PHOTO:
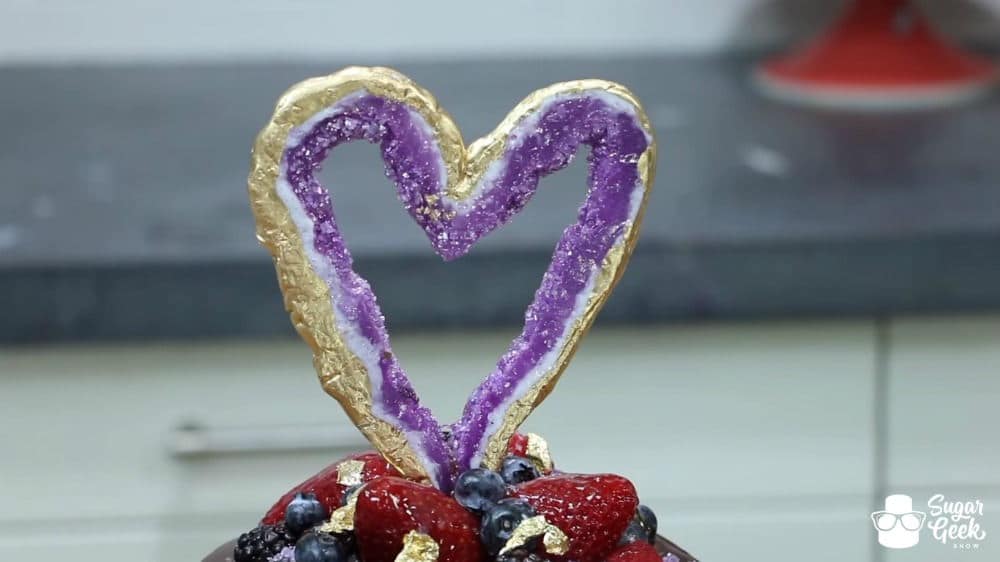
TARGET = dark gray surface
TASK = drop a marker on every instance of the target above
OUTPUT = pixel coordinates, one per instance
(124, 210)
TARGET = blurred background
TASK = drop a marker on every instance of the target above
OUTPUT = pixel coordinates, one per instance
(810, 321)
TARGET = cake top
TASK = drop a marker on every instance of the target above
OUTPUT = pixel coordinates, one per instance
(457, 194)
(361, 509)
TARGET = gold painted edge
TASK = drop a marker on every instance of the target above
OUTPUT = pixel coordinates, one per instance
(538, 451)
(342, 374)
(307, 297)
(612, 269)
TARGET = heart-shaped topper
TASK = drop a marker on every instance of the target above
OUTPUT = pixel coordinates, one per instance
(457, 195)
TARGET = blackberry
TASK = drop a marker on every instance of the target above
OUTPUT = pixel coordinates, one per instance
(262, 542)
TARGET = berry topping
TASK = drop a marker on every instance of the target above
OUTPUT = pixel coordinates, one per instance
(304, 512)
(388, 508)
(479, 489)
(499, 523)
(327, 486)
(320, 547)
(261, 543)
(641, 528)
(633, 533)
(592, 510)
(647, 520)
(516, 470)
(635, 552)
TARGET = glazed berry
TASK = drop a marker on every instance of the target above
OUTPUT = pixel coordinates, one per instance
(326, 485)
(633, 533)
(319, 547)
(516, 470)
(389, 508)
(262, 542)
(642, 527)
(303, 512)
(647, 520)
(479, 489)
(500, 522)
(348, 543)
(593, 510)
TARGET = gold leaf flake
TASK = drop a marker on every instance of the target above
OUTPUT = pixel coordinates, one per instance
(418, 547)
(538, 451)
(349, 472)
(555, 541)
(342, 518)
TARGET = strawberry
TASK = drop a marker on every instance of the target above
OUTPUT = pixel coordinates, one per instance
(592, 509)
(326, 487)
(517, 445)
(639, 551)
(388, 508)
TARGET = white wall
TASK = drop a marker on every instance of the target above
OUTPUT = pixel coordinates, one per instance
(155, 30)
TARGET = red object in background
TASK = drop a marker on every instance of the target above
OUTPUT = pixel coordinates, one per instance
(881, 54)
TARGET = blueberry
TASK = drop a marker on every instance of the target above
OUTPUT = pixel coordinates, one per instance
(641, 528)
(319, 547)
(633, 533)
(348, 542)
(499, 522)
(479, 489)
(518, 469)
(303, 512)
(647, 519)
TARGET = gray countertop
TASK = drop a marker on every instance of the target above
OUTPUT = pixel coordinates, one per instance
(124, 210)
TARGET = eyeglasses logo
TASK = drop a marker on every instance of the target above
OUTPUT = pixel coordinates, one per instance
(898, 524)
(953, 523)
(885, 521)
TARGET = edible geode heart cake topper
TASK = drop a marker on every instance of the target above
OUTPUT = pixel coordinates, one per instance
(457, 195)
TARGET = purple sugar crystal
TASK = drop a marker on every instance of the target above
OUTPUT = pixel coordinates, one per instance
(543, 143)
